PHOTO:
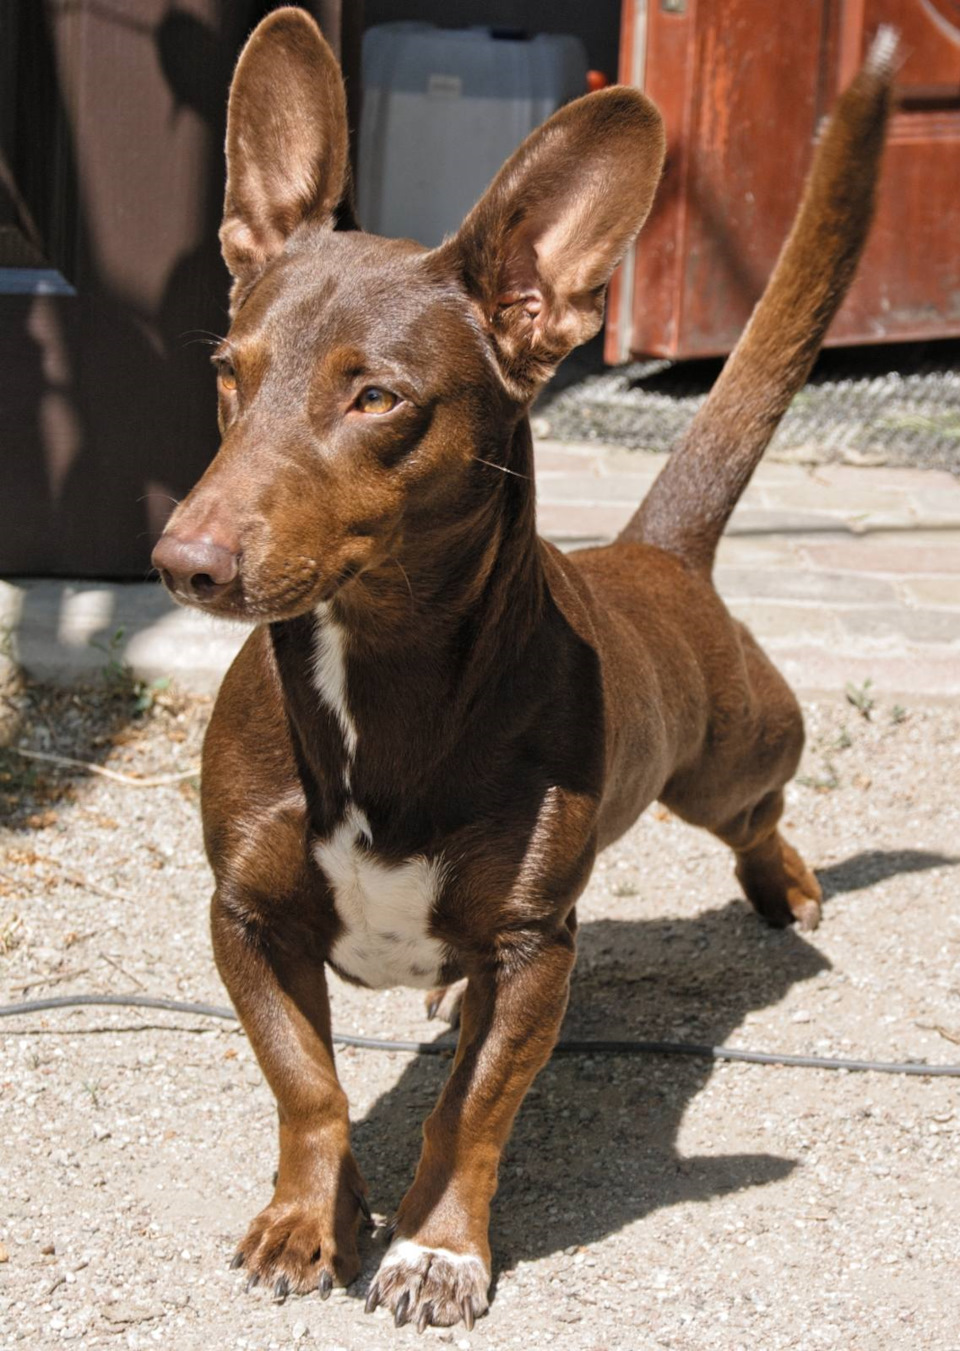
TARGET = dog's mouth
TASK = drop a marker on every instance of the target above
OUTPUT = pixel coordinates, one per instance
(249, 599)
(260, 577)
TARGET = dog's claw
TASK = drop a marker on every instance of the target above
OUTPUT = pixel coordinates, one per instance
(365, 1211)
(400, 1313)
(252, 1281)
(236, 1261)
(433, 1008)
(325, 1284)
(373, 1298)
(466, 1309)
(426, 1314)
(281, 1287)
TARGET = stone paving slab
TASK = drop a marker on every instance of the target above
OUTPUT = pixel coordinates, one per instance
(71, 630)
(843, 573)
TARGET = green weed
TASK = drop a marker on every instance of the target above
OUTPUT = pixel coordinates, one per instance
(861, 698)
(122, 682)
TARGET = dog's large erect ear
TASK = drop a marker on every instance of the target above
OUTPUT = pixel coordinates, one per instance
(287, 143)
(538, 249)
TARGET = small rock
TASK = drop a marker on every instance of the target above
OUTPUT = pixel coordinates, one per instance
(299, 1331)
(123, 1313)
(48, 1249)
(4, 1255)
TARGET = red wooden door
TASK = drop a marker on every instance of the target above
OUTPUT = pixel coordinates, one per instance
(743, 86)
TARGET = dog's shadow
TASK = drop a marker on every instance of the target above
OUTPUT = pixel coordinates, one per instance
(595, 1143)
(876, 865)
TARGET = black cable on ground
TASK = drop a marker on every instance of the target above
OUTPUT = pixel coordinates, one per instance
(564, 1046)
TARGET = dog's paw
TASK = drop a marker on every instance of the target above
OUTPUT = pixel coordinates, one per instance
(292, 1248)
(779, 885)
(445, 1001)
(804, 896)
(430, 1286)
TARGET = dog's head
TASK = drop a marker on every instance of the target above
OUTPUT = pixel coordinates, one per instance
(370, 389)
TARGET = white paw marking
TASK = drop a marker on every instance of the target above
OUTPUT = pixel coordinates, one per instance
(439, 1281)
(385, 910)
(403, 1251)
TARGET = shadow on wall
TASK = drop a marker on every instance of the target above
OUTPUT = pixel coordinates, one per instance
(108, 410)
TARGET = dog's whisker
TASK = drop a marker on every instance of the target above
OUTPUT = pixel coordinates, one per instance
(201, 334)
(403, 572)
(502, 467)
(149, 497)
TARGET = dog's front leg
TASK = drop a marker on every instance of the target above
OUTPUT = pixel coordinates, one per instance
(437, 1269)
(306, 1237)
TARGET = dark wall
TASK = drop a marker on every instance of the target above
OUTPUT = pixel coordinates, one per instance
(112, 121)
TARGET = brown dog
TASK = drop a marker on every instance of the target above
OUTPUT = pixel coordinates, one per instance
(439, 719)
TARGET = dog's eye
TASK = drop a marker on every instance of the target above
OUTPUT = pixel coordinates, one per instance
(375, 400)
(227, 376)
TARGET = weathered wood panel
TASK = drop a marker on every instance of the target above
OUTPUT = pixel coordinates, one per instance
(743, 85)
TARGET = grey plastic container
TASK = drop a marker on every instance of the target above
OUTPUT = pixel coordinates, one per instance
(442, 110)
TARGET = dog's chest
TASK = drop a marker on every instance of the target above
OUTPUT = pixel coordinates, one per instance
(384, 909)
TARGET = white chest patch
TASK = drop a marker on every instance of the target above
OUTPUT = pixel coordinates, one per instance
(385, 911)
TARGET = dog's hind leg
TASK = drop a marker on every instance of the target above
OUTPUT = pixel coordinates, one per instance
(775, 879)
(735, 789)
(444, 1002)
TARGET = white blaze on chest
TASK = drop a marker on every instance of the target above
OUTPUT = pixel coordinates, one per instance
(384, 909)
(330, 678)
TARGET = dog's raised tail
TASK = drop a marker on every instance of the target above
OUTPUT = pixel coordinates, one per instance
(692, 499)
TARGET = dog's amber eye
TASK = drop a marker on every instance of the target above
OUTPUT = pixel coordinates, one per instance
(227, 376)
(375, 400)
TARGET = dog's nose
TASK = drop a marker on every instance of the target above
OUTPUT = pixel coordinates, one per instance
(196, 568)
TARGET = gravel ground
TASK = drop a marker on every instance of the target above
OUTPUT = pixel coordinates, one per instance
(885, 405)
(644, 1203)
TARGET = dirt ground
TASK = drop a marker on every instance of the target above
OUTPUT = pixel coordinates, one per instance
(644, 1202)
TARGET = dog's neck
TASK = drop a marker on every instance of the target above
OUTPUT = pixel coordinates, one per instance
(404, 658)
(476, 565)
